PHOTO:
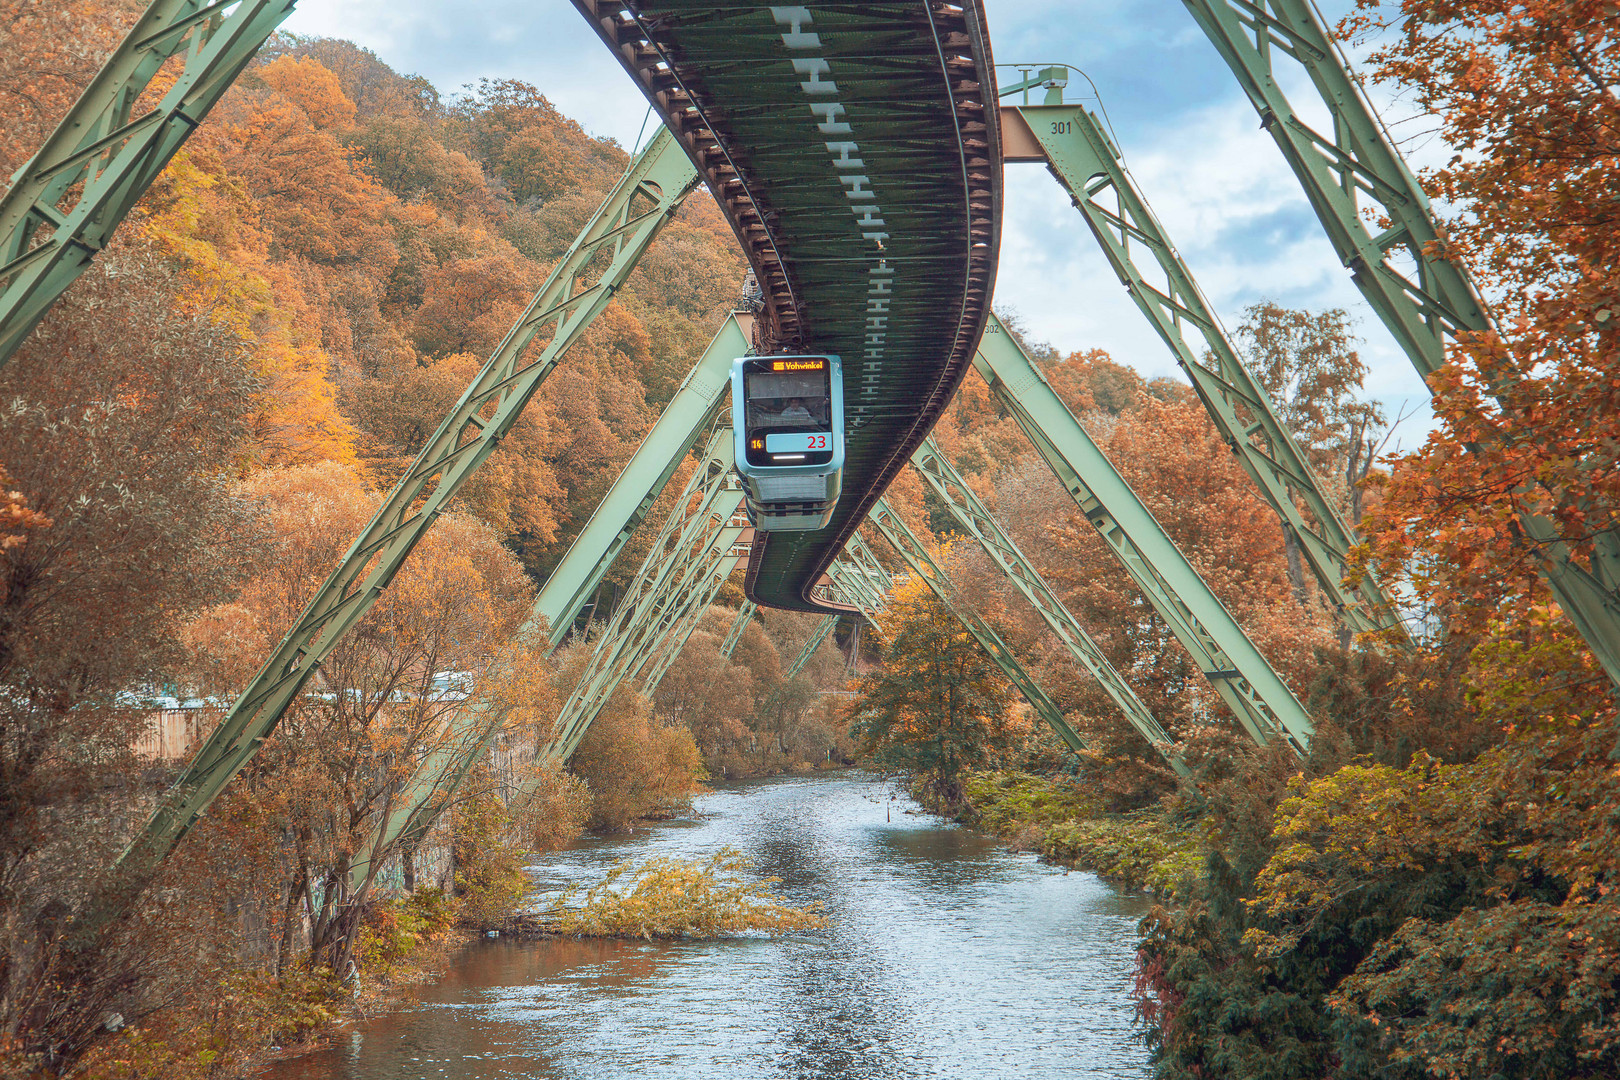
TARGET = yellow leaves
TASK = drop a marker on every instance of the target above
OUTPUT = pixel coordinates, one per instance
(635, 765)
(295, 418)
(664, 898)
(1362, 824)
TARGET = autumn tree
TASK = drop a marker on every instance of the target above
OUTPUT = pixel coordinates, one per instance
(1447, 909)
(1525, 95)
(1308, 364)
(122, 415)
(938, 706)
(440, 641)
(707, 693)
(633, 763)
(538, 152)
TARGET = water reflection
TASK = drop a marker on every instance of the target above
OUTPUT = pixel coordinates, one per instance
(946, 956)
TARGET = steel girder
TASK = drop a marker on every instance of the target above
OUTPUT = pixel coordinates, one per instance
(644, 199)
(684, 420)
(916, 557)
(669, 649)
(1086, 162)
(863, 566)
(689, 413)
(745, 615)
(680, 426)
(1358, 168)
(976, 521)
(848, 583)
(100, 159)
(853, 148)
(1248, 685)
(1356, 162)
(818, 634)
(856, 579)
(694, 539)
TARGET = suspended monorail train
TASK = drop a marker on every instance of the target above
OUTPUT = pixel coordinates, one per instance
(788, 417)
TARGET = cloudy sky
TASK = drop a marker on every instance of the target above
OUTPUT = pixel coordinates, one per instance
(1193, 143)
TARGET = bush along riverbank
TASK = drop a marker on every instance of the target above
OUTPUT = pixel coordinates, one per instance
(1156, 849)
(672, 898)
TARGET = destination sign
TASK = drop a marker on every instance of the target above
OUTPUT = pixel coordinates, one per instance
(799, 365)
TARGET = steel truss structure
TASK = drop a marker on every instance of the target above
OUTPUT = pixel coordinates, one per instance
(977, 522)
(637, 208)
(66, 202)
(102, 157)
(1076, 150)
(690, 413)
(1355, 169)
(1248, 685)
(745, 615)
(915, 555)
(689, 551)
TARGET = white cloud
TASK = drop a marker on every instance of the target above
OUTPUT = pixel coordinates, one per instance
(546, 43)
(1216, 181)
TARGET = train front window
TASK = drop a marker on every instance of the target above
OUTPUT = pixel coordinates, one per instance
(789, 400)
(789, 410)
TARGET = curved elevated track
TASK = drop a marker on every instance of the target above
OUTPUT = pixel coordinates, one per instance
(855, 150)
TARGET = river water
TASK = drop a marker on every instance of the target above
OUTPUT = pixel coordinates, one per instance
(946, 955)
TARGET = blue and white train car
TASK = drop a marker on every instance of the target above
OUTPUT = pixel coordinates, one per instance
(788, 416)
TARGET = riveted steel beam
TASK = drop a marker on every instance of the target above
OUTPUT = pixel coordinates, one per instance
(644, 199)
(1354, 175)
(745, 615)
(1087, 164)
(916, 556)
(66, 201)
(1355, 166)
(976, 521)
(696, 537)
(1248, 685)
(701, 595)
(689, 414)
(680, 426)
(818, 634)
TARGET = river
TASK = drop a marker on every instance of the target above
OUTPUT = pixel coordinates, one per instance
(947, 955)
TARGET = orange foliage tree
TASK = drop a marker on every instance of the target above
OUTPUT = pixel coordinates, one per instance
(1525, 94)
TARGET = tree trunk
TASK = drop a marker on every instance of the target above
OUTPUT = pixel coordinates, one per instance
(289, 914)
(1296, 566)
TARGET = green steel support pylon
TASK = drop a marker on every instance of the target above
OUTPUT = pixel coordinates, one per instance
(864, 562)
(644, 199)
(915, 556)
(745, 615)
(680, 427)
(697, 535)
(683, 422)
(855, 579)
(976, 521)
(1357, 170)
(1254, 692)
(669, 649)
(1085, 161)
(850, 584)
(1343, 172)
(101, 159)
(818, 634)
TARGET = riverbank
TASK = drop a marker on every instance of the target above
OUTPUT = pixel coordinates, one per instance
(927, 921)
(1147, 849)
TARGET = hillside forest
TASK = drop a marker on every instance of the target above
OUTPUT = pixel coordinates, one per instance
(204, 421)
